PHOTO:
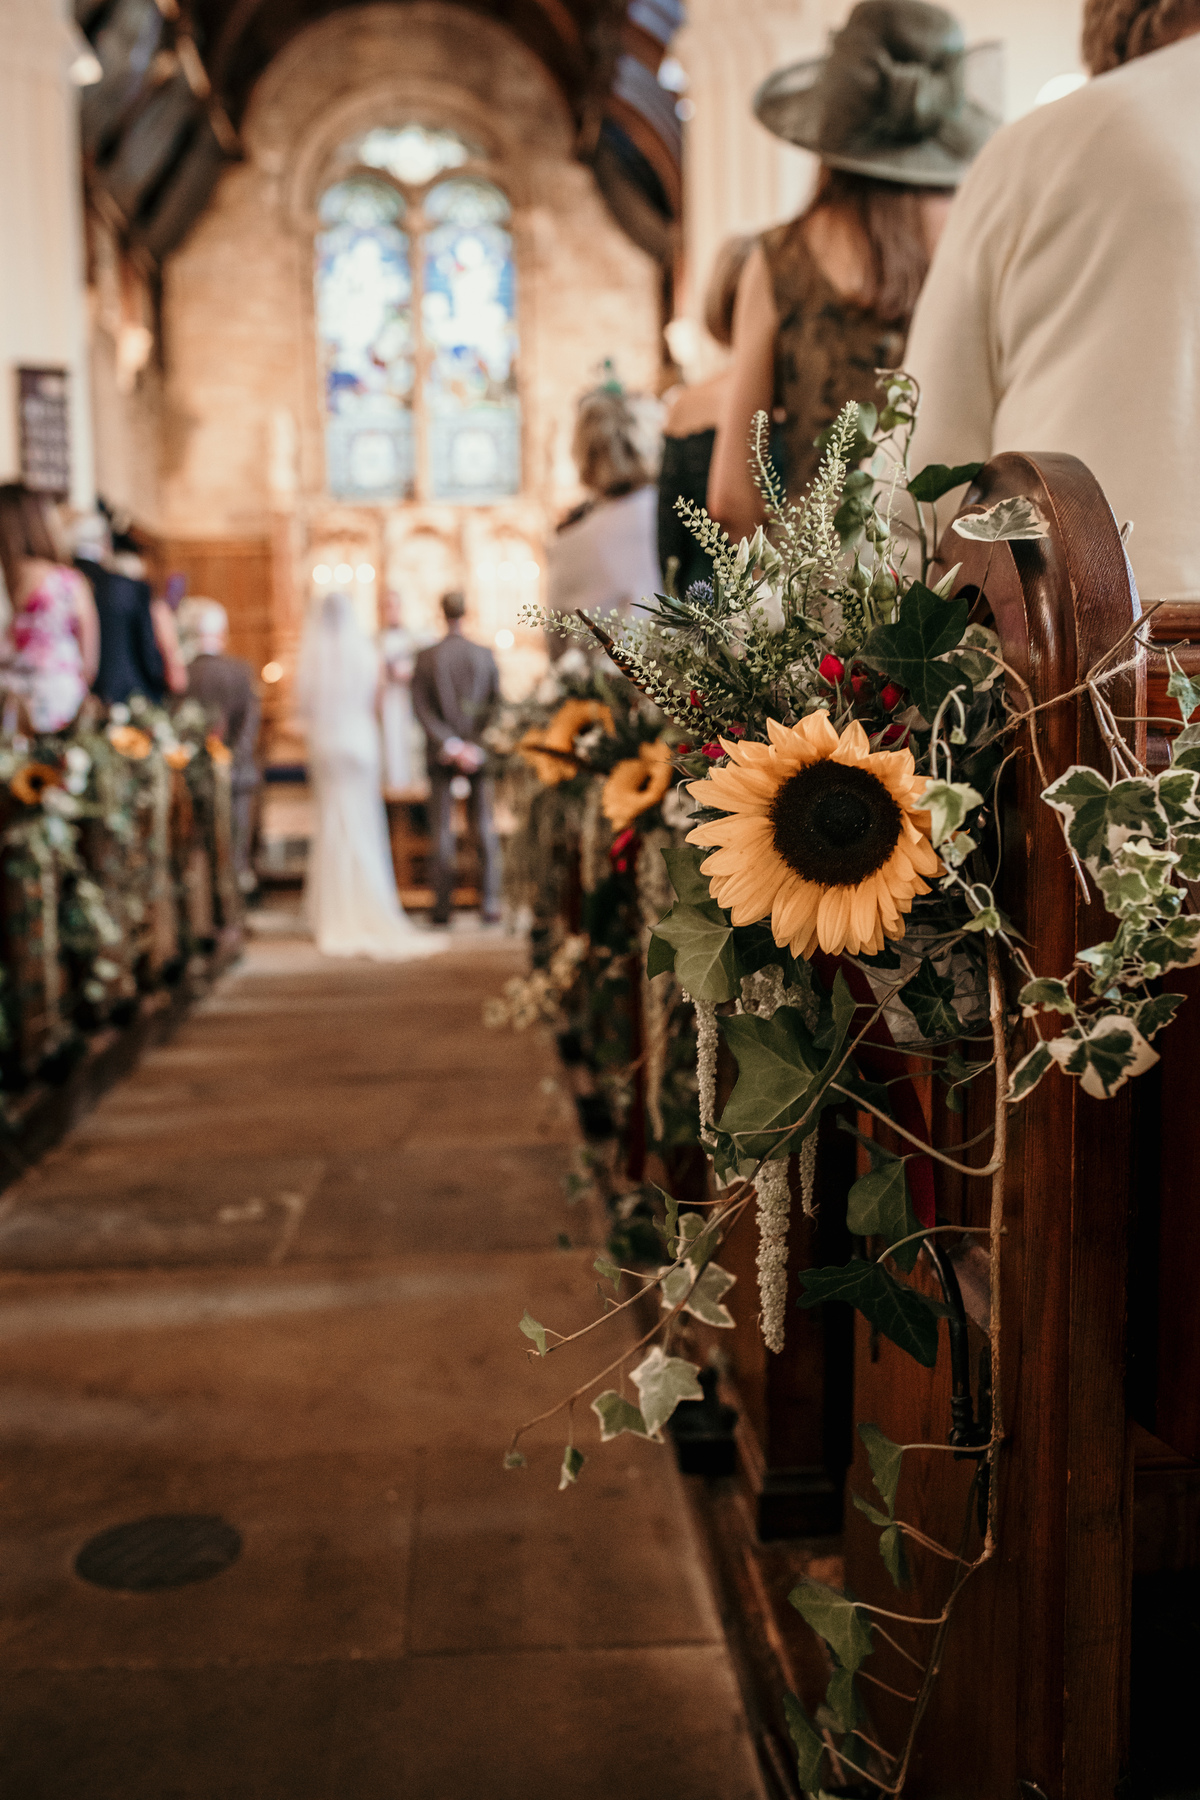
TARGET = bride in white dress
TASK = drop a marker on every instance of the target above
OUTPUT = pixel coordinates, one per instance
(350, 898)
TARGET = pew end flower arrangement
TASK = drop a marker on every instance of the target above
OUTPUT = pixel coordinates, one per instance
(847, 719)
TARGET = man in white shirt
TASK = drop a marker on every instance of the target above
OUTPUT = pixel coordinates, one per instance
(1062, 309)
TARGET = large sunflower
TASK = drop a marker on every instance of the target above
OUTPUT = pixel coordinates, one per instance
(822, 834)
(131, 741)
(31, 781)
(636, 785)
(572, 717)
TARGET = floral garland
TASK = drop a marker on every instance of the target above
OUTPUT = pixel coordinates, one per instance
(851, 725)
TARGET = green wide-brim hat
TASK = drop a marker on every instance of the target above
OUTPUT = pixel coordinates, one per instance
(889, 99)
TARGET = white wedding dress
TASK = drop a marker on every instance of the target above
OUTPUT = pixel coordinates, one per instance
(350, 898)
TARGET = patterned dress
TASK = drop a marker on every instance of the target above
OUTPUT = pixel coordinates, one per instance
(46, 666)
(827, 350)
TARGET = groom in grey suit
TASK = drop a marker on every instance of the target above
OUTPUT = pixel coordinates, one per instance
(455, 691)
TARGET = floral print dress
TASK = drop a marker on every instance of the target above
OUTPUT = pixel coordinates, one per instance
(46, 665)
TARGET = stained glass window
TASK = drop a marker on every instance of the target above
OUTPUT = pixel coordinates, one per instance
(421, 351)
(364, 328)
(468, 316)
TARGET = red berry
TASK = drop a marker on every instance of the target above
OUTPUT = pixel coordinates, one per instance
(832, 668)
(735, 731)
(858, 683)
(695, 698)
(890, 696)
(713, 752)
(894, 733)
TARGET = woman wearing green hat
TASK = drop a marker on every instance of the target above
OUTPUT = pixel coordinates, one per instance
(825, 300)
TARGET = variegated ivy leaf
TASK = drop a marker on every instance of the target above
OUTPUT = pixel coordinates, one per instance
(1151, 1015)
(1175, 945)
(1178, 796)
(616, 1414)
(1099, 818)
(987, 919)
(1180, 688)
(704, 1300)
(1028, 1072)
(1106, 1055)
(948, 803)
(1137, 880)
(1187, 845)
(1007, 522)
(1054, 995)
(662, 1381)
(977, 654)
(572, 1462)
(955, 851)
(529, 1325)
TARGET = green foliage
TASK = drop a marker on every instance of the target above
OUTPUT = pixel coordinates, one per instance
(948, 803)
(808, 1742)
(704, 1299)
(662, 1381)
(878, 1205)
(529, 1325)
(929, 997)
(609, 1271)
(572, 1462)
(1007, 522)
(936, 479)
(837, 1618)
(926, 629)
(902, 1314)
(886, 1460)
(783, 1077)
(616, 1414)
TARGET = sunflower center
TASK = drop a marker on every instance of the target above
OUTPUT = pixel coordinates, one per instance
(835, 823)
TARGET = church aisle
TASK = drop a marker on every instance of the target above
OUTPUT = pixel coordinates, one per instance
(275, 1277)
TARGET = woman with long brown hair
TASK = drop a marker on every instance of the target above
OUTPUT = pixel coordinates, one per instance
(825, 300)
(54, 634)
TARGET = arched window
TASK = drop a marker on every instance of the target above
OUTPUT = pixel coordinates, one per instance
(416, 321)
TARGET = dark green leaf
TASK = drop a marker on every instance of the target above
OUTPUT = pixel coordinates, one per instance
(572, 1462)
(841, 1697)
(1186, 692)
(929, 997)
(878, 1206)
(1048, 993)
(926, 629)
(660, 956)
(705, 963)
(871, 1512)
(672, 1225)
(810, 1746)
(782, 1075)
(683, 866)
(891, 1548)
(936, 479)
(1153, 1014)
(899, 1312)
(886, 1460)
(616, 1414)
(836, 1618)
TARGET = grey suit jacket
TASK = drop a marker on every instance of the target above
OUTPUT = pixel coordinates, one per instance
(455, 690)
(225, 685)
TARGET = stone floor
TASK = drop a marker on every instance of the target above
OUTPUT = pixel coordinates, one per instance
(276, 1276)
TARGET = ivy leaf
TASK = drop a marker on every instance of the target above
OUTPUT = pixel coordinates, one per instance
(886, 1460)
(609, 1271)
(1187, 848)
(1177, 794)
(836, 1618)
(616, 1414)
(1044, 992)
(948, 803)
(1176, 945)
(1153, 1014)
(705, 962)
(662, 1381)
(987, 919)
(697, 1240)
(704, 1301)
(936, 479)
(878, 1206)
(1007, 522)
(572, 1462)
(871, 1512)
(841, 1697)
(1099, 818)
(532, 1329)
(781, 1075)
(810, 1746)
(891, 1548)
(929, 997)
(514, 1460)
(905, 1316)
(1112, 1050)
(926, 629)
(660, 956)
(1186, 692)
(1028, 1072)
(683, 866)
(672, 1225)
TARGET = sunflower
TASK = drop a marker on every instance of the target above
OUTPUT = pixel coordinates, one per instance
(572, 717)
(31, 782)
(131, 741)
(219, 752)
(636, 785)
(822, 834)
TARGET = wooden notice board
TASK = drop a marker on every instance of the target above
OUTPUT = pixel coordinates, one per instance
(43, 430)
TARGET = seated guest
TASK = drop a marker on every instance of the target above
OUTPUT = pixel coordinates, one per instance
(1062, 311)
(691, 428)
(603, 557)
(225, 686)
(130, 661)
(53, 633)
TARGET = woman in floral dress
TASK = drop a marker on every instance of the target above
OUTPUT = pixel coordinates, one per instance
(53, 647)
